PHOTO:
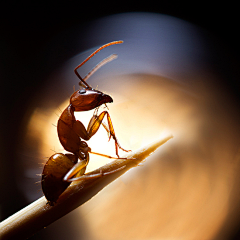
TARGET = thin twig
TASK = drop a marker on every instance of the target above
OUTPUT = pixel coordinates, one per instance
(38, 214)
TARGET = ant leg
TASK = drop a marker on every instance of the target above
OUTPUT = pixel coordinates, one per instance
(79, 168)
(93, 127)
(107, 130)
(97, 175)
(95, 123)
(104, 155)
(94, 118)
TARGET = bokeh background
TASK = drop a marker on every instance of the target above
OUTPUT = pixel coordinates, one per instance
(176, 73)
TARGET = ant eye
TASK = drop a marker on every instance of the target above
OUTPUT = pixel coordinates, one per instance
(82, 91)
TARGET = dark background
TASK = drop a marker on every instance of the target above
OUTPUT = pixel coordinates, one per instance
(27, 55)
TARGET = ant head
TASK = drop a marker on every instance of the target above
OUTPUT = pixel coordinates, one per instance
(87, 99)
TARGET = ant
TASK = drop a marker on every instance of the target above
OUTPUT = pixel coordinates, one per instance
(61, 169)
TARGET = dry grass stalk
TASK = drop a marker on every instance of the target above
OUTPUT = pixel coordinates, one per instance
(38, 214)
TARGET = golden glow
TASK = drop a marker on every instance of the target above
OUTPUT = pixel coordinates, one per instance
(183, 192)
(189, 189)
(126, 127)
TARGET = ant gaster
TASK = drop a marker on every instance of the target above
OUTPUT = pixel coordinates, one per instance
(61, 169)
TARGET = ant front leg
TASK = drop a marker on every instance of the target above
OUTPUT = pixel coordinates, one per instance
(93, 127)
(95, 123)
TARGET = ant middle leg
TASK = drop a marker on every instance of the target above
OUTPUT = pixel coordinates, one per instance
(104, 155)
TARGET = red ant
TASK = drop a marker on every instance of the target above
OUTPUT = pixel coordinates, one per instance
(61, 169)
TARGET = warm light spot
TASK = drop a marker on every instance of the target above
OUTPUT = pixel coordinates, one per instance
(126, 126)
(188, 182)
(165, 81)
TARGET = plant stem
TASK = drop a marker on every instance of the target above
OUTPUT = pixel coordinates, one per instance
(38, 214)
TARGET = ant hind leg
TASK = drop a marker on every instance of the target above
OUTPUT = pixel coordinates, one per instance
(97, 175)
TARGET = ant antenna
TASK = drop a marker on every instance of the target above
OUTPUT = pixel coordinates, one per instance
(100, 64)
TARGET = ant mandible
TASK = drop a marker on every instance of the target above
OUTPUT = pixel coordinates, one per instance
(61, 169)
